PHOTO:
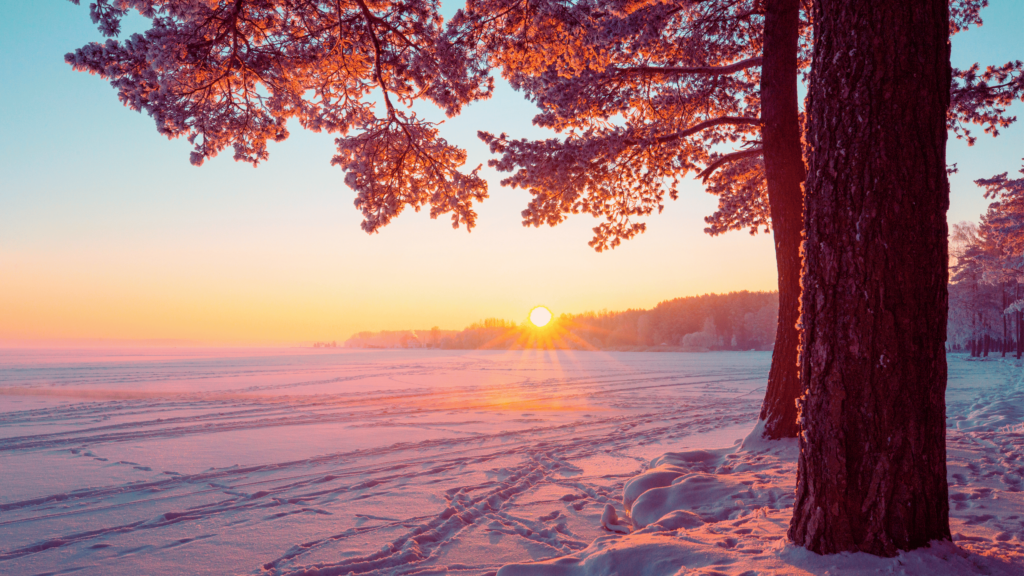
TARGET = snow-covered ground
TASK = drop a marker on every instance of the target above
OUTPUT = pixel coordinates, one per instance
(331, 461)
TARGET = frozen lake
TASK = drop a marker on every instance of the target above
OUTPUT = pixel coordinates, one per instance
(236, 461)
(326, 461)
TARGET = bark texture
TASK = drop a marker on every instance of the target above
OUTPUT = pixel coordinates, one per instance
(1020, 334)
(1002, 345)
(872, 469)
(1020, 324)
(784, 172)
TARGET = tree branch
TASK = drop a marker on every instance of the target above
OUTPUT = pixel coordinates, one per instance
(695, 70)
(704, 126)
(376, 53)
(728, 158)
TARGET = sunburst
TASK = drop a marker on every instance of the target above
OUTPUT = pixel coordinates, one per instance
(540, 316)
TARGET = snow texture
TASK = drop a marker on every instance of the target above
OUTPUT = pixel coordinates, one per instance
(335, 461)
(726, 511)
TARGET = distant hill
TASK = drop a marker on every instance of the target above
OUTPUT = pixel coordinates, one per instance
(734, 321)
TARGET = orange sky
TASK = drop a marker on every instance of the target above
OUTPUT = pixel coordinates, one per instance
(301, 277)
(107, 232)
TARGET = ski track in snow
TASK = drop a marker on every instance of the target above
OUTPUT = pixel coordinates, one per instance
(418, 462)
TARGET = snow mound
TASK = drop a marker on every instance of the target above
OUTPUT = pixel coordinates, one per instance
(638, 555)
(711, 485)
(707, 496)
(763, 551)
(667, 469)
(675, 520)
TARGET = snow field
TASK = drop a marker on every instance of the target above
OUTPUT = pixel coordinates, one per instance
(429, 462)
(331, 462)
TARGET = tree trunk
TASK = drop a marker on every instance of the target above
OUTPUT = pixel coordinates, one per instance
(1002, 345)
(1020, 331)
(784, 172)
(1020, 323)
(872, 468)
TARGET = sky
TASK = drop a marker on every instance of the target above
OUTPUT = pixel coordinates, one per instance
(108, 234)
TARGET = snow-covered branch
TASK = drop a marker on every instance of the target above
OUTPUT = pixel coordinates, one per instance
(696, 70)
(732, 157)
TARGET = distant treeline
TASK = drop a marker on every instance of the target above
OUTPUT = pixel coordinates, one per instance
(734, 321)
(986, 289)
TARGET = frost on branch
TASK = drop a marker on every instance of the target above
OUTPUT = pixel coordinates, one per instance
(645, 92)
(658, 67)
(232, 74)
(982, 98)
(965, 13)
(401, 161)
(1001, 187)
(742, 197)
(1002, 225)
(678, 79)
(613, 174)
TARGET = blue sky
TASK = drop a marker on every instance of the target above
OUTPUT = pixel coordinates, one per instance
(106, 231)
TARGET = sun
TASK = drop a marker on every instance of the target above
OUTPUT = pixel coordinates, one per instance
(540, 316)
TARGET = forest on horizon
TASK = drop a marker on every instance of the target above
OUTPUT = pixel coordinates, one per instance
(734, 321)
(982, 294)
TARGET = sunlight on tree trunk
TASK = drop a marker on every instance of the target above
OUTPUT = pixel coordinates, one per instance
(784, 172)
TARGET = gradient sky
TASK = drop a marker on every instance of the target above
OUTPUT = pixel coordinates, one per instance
(108, 233)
